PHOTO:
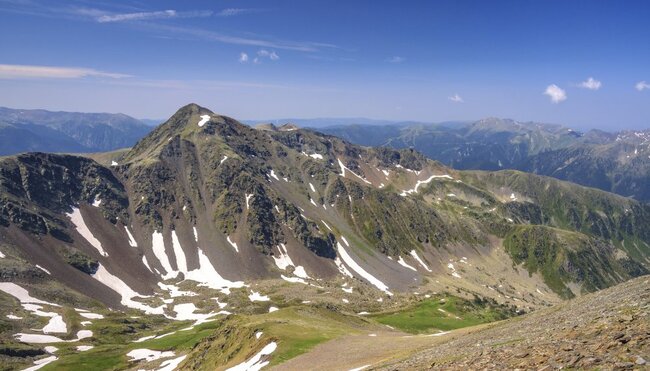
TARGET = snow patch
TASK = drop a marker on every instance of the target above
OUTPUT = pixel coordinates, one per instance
(273, 309)
(344, 168)
(358, 269)
(158, 247)
(420, 182)
(233, 244)
(256, 296)
(204, 119)
(248, 197)
(293, 279)
(185, 312)
(104, 276)
(312, 187)
(78, 221)
(272, 174)
(415, 256)
(181, 261)
(23, 295)
(132, 241)
(171, 364)
(148, 354)
(405, 264)
(83, 348)
(43, 269)
(40, 363)
(146, 263)
(223, 159)
(56, 325)
(256, 363)
(208, 276)
(342, 268)
(453, 271)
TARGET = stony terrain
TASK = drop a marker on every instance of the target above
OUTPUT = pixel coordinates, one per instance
(607, 330)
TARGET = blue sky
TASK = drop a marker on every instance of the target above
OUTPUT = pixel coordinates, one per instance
(417, 60)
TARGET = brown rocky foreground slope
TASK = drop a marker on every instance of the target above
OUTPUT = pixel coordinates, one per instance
(606, 330)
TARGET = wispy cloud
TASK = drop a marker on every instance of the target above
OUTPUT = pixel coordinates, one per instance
(13, 71)
(302, 46)
(456, 99)
(144, 16)
(556, 93)
(243, 57)
(395, 59)
(229, 12)
(147, 20)
(642, 85)
(590, 84)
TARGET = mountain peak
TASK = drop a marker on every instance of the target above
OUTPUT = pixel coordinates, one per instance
(192, 108)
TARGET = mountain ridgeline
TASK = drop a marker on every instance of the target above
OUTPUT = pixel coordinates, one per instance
(204, 189)
(46, 131)
(618, 163)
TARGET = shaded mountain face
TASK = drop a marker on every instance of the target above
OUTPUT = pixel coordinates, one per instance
(206, 199)
(40, 130)
(618, 163)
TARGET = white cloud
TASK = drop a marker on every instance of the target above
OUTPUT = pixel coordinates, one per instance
(456, 99)
(395, 59)
(243, 57)
(556, 93)
(229, 12)
(272, 55)
(591, 84)
(13, 71)
(137, 16)
(642, 85)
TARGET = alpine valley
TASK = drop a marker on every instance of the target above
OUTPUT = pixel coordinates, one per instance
(211, 244)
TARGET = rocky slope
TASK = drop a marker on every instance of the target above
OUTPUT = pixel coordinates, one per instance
(607, 330)
(207, 211)
(45, 131)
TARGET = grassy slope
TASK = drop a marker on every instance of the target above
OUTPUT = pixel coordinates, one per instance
(443, 313)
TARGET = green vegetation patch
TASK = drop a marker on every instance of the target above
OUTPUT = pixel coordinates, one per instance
(444, 313)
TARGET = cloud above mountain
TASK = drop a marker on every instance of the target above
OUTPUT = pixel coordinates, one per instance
(556, 93)
(591, 84)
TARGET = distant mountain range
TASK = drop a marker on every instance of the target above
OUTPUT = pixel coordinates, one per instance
(615, 162)
(46, 131)
(295, 232)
